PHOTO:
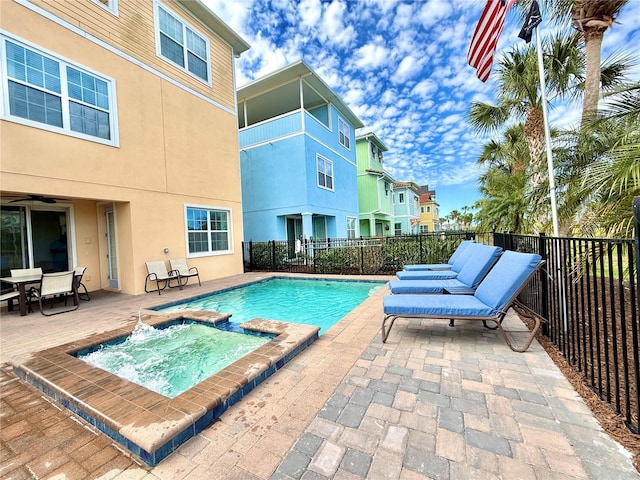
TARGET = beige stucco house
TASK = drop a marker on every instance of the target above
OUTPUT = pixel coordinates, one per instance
(119, 138)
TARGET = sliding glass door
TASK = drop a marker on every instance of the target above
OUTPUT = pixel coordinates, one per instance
(33, 237)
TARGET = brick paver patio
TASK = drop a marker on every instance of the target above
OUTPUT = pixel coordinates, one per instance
(433, 402)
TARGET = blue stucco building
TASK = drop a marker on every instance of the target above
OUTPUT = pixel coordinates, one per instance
(297, 158)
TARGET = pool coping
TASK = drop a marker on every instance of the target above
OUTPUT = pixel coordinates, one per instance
(150, 425)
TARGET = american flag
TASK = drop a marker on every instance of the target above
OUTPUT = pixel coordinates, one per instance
(485, 38)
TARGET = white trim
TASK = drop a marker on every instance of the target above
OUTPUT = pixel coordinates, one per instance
(230, 231)
(157, 5)
(112, 6)
(344, 122)
(121, 54)
(333, 180)
(64, 95)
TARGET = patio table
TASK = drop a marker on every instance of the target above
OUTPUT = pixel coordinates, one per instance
(22, 282)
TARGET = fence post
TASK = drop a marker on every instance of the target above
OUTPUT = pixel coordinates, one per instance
(273, 254)
(507, 241)
(636, 214)
(542, 249)
(420, 238)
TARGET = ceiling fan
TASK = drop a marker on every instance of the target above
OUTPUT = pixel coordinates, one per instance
(36, 198)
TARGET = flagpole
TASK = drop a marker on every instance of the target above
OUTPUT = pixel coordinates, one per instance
(552, 183)
(547, 135)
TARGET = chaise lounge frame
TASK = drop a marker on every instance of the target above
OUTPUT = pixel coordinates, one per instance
(497, 318)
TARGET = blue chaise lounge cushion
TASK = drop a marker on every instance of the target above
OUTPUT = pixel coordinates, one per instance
(506, 277)
(440, 306)
(442, 266)
(472, 269)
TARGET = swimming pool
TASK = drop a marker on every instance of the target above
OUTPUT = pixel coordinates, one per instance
(307, 301)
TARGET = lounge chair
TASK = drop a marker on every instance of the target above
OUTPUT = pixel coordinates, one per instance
(184, 270)
(58, 284)
(467, 279)
(442, 266)
(157, 272)
(475, 251)
(490, 302)
(83, 294)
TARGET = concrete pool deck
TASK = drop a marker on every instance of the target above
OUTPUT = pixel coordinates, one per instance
(432, 402)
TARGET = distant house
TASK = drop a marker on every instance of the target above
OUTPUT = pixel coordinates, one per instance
(375, 187)
(297, 158)
(429, 214)
(406, 208)
(119, 139)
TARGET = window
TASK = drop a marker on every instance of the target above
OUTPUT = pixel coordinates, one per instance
(325, 173)
(344, 133)
(207, 231)
(421, 209)
(387, 187)
(397, 227)
(110, 5)
(400, 197)
(52, 94)
(424, 228)
(428, 209)
(351, 227)
(181, 45)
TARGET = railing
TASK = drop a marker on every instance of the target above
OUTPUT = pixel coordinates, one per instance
(589, 298)
(588, 294)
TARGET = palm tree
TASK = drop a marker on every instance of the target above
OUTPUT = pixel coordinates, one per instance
(611, 179)
(504, 205)
(518, 96)
(591, 18)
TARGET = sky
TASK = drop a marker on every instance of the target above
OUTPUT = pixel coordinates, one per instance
(401, 66)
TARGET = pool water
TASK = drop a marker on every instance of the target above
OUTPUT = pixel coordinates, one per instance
(311, 302)
(171, 360)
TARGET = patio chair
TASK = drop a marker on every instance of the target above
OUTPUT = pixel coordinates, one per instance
(466, 281)
(473, 251)
(26, 272)
(157, 272)
(184, 270)
(83, 294)
(490, 302)
(53, 285)
(9, 296)
(442, 266)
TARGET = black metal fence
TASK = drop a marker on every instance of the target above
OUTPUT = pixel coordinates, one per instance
(588, 293)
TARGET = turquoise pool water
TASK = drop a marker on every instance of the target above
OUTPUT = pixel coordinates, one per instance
(312, 302)
(171, 360)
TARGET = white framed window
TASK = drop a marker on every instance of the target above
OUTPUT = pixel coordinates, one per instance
(344, 134)
(180, 44)
(325, 172)
(109, 5)
(400, 197)
(424, 228)
(208, 230)
(351, 227)
(397, 228)
(44, 91)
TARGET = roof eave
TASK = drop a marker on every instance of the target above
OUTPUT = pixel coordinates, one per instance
(212, 21)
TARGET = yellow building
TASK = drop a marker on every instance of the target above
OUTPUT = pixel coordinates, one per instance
(429, 215)
(119, 139)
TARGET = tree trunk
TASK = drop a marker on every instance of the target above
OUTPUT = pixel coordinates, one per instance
(593, 45)
(534, 134)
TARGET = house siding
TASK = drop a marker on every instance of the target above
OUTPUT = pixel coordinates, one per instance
(177, 143)
(132, 31)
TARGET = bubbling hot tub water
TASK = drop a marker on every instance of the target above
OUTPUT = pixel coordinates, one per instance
(173, 359)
